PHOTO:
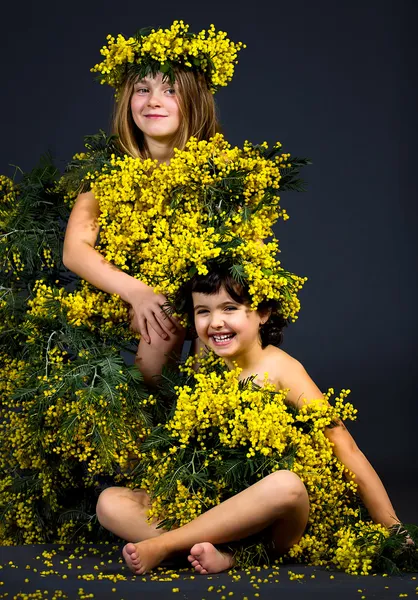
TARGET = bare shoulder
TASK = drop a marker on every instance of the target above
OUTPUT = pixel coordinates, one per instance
(292, 375)
(285, 363)
(86, 202)
(85, 212)
(83, 223)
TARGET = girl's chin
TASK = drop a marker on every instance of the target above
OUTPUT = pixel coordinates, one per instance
(224, 349)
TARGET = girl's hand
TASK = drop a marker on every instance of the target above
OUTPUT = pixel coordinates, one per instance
(398, 528)
(147, 310)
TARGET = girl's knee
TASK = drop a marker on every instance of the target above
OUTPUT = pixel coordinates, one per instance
(107, 503)
(287, 487)
(150, 358)
(164, 346)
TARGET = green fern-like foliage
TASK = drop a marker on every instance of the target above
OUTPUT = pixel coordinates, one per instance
(71, 411)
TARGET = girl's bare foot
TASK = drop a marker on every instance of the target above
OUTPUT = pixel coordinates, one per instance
(144, 556)
(205, 558)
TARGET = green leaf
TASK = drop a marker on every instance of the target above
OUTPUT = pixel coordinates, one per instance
(238, 273)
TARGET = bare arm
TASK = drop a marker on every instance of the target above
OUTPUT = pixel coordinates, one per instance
(370, 487)
(303, 390)
(81, 257)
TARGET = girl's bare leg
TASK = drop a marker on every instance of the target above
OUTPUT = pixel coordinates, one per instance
(124, 512)
(280, 499)
(150, 358)
(285, 531)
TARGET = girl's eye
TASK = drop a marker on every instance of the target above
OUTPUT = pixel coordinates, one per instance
(141, 90)
(201, 311)
(230, 308)
(171, 92)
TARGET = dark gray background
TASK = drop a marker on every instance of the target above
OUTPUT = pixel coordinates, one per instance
(330, 80)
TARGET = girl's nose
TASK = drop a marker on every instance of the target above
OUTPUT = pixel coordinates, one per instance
(154, 99)
(217, 321)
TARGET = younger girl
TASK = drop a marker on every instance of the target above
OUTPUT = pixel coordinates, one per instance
(278, 503)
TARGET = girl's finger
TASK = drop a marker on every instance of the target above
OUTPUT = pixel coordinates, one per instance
(143, 330)
(157, 326)
(166, 321)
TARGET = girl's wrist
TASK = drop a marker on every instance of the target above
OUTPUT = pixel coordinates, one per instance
(131, 289)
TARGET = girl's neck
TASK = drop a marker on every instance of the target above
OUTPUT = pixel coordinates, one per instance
(160, 151)
(248, 360)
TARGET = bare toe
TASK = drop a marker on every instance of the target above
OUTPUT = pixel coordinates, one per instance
(197, 550)
(130, 556)
(208, 559)
(144, 556)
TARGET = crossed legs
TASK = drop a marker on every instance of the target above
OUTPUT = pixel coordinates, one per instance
(278, 501)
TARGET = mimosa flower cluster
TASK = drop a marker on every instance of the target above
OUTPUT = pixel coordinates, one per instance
(153, 50)
(163, 222)
(70, 410)
(65, 426)
(11, 259)
(225, 434)
(7, 195)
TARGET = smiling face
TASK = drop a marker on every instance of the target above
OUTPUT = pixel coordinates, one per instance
(155, 109)
(229, 328)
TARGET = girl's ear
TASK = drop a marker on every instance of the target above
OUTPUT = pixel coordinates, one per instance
(264, 316)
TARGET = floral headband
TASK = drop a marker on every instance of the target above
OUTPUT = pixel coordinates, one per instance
(151, 51)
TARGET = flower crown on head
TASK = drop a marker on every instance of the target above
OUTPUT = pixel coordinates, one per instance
(151, 51)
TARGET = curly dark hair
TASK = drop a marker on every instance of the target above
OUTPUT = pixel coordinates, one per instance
(219, 276)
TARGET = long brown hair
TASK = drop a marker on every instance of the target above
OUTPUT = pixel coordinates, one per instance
(197, 109)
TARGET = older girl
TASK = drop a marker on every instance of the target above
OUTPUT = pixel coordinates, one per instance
(153, 116)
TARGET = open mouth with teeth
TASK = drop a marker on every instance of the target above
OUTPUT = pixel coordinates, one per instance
(222, 339)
